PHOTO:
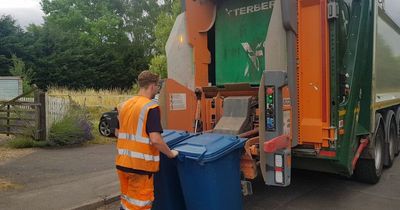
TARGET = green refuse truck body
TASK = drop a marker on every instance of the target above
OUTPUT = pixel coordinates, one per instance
(266, 44)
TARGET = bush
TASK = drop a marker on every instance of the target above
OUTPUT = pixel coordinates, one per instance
(20, 142)
(75, 128)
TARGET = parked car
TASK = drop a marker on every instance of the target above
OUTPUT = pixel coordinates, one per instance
(108, 123)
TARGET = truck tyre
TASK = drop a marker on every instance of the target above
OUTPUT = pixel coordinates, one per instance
(390, 138)
(398, 130)
(370, 170)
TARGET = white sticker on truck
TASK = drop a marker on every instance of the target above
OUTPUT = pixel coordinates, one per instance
(177, 101)
(286, 122)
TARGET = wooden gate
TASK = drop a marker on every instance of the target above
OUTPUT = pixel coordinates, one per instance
(24, 116)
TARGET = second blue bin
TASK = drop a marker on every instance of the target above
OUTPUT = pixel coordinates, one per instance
(167, 188)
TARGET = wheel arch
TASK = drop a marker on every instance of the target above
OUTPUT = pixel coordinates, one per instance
(369, 152)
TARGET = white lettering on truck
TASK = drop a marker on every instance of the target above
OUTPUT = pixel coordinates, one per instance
(251, 9)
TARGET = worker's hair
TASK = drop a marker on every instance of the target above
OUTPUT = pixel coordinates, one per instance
(147, 78)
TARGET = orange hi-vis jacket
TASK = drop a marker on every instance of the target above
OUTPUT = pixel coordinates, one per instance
(134, 147)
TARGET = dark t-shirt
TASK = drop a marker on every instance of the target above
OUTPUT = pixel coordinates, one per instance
(153, 124)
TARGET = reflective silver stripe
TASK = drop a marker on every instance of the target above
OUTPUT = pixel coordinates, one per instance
(139, 128)
(138, 155)
(136, 202)
(134, 137)
(123, 206)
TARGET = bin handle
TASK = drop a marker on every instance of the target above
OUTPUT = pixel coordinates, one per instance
(200, 157)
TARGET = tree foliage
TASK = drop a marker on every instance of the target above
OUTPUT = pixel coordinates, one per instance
(84, 43)
(10, 43)
(165, 22)
(18, 69)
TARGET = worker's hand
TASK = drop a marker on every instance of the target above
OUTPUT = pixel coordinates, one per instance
(174, 153)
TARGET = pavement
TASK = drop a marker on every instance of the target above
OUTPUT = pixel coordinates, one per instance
(59, 178)
(85, 178)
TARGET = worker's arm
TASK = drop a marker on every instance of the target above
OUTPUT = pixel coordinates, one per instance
(116, 131)
(158, 142)
(118, 109)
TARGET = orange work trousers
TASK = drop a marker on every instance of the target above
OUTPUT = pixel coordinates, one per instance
(137, 191)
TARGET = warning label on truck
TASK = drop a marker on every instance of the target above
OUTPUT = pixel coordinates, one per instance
(177, 101)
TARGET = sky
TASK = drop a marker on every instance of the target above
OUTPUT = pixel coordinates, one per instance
(24, 11)
(29, 11)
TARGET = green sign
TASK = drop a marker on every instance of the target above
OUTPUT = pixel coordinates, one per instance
(241, 29)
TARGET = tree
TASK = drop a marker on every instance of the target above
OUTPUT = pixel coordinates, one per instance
(165, 22)
(19, 69)
(158, 65)
(99, 44)
(10, 43)
(87, 43)
(140, 18)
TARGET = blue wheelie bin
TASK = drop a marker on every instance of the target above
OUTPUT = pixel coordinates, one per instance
(167, 189)
(209, 171)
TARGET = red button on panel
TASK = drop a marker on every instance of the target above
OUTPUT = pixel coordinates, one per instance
(270, 91)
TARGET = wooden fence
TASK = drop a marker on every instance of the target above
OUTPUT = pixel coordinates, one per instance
(35, 115)
(22, 115)
(32, 116)
(56, 109)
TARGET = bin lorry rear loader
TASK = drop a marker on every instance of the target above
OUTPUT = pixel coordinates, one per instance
(312, 84)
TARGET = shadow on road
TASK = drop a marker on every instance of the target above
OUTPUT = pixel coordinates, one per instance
(315, 190)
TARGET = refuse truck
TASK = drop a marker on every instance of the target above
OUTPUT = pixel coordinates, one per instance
(311, 84)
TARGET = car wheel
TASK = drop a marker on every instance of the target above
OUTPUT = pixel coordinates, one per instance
(104, 128)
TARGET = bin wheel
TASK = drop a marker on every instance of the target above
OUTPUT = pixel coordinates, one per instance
(370, 170)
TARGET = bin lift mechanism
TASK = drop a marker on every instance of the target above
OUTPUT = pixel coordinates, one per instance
(276, 144)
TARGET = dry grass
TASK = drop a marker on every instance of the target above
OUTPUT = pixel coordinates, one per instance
(94, 98)
(4, 138)
(7, 153)
(64, 91)
(8, 185)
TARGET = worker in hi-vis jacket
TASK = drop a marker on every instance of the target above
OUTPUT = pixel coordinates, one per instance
(139, 144)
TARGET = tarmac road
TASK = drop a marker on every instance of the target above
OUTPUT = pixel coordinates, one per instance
(69, 177)
(316, 191)
(312, 190)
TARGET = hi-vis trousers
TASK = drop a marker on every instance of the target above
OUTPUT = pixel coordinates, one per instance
(137, 191)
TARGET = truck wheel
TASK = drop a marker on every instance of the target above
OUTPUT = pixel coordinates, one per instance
(390, 139)
(398, 130)
(370, 170)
